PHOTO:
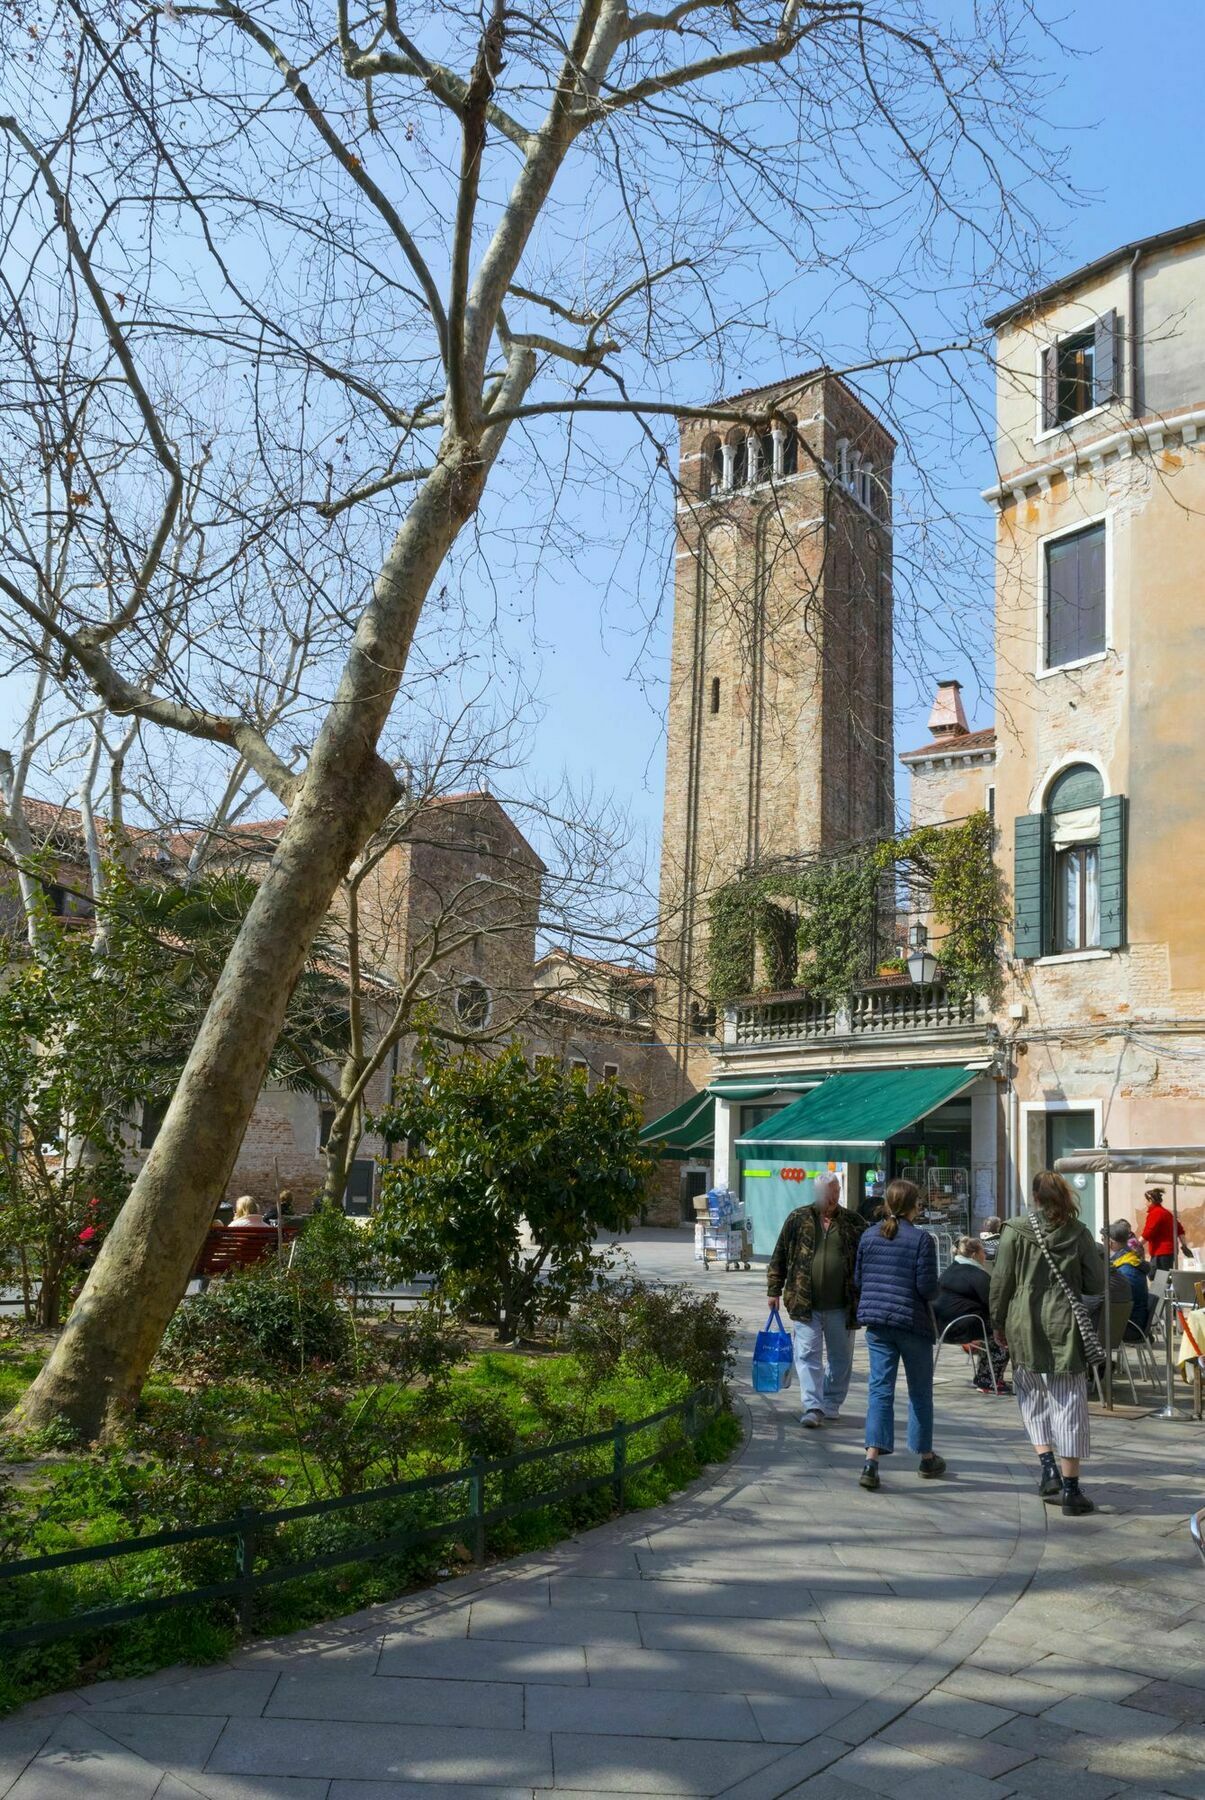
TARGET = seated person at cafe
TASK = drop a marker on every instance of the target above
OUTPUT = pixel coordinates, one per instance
(246, 1211)
(1126, 1262)
(962, 1295)
(989, 1237)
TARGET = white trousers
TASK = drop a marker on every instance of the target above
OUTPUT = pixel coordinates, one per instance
(1054, 1410)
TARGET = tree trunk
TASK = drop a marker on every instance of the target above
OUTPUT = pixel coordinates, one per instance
(340, 1151)
(95, 1373)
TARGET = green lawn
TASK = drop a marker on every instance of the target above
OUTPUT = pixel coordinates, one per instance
(199, 1452)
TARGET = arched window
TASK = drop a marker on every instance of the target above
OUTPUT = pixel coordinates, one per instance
(713, 466)
(866, 484)
(473, 1005)
(1073, 830)
(790, 448)
(765, 445)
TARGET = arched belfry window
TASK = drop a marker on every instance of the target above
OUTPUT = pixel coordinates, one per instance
(1069, 879)
(790, 447)
(765, 456)
(713, 467)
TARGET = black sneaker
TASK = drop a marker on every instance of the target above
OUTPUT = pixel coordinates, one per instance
(869, 1478)
(1051, 1485)
(931, 1466)
(1076, 1503)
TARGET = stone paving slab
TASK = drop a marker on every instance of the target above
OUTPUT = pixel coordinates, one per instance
(774, 1633)
(450, 1753)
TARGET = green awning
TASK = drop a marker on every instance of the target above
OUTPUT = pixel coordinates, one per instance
(688, 1130)
(745, 1087)
(849, 1118)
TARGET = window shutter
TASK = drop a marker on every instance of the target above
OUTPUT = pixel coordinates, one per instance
(1107, 361)
(1029, 884)
(1050, 388)
(1113, 872)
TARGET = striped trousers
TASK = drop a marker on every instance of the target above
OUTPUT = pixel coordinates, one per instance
(1054, 1411)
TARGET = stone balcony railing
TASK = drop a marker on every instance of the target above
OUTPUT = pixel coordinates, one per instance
(874, 1012)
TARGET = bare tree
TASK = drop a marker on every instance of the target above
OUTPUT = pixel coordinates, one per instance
(375, 248)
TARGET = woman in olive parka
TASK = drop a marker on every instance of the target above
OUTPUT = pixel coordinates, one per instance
(1040, 1256)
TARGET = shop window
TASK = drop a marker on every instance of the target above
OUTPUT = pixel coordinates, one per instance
(1075, 597)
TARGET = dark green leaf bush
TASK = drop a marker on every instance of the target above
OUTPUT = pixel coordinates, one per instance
(645, 1326)
(261, 1324)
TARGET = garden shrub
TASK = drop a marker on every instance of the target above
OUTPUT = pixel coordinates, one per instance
(646, 1325)
(258, 1323)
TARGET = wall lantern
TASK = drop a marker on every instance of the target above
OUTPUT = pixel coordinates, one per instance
(922, 964)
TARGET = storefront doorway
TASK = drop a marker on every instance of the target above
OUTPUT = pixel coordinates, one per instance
(1067, 1131)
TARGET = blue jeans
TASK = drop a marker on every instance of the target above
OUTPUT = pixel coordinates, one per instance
(888, 1347)
(824, 1338)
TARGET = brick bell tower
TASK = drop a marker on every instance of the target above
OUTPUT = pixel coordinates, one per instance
(780, 703)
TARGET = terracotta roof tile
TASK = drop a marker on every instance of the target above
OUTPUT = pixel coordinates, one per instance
(969, 740)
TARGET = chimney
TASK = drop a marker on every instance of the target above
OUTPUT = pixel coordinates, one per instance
(948, 720)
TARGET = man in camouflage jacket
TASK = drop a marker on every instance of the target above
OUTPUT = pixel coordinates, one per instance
(812, 1271)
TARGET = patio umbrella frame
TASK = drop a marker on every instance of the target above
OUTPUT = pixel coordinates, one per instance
(1156, 1159)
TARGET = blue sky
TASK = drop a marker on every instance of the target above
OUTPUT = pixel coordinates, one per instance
(1129, 112)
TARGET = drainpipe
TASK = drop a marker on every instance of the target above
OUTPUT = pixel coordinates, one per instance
(1012, 1128)
(1132, 302)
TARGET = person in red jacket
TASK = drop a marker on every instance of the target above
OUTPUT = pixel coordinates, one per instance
(1159, 1231)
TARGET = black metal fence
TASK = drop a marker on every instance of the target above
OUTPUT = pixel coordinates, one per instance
(248, 1530)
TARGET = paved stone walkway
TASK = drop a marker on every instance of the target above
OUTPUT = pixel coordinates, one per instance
(776, 1632)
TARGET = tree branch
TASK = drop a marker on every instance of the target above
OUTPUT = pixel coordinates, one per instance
(343, 156)
(164, 453)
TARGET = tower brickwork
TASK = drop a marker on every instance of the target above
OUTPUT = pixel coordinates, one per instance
(779, 712)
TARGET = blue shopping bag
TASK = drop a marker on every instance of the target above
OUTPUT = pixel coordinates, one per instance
(772, 1356)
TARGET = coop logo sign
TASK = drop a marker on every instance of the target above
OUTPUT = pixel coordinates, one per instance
(794, 1174)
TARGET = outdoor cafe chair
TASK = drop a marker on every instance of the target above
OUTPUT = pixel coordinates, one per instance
(1119, 1318)
(970, 1346)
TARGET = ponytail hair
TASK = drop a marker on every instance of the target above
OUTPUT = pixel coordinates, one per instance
(901, 1199)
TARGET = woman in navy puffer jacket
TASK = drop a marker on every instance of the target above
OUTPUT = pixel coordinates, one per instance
(896, 1278)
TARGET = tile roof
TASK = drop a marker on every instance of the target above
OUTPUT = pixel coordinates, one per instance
(1159, 240)
(967, 740)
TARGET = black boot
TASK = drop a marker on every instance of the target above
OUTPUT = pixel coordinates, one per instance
(1050, 1487)
(869, 1478)
(1075, 1501)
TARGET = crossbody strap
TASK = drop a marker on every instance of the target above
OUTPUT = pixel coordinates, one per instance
(1092, 1345)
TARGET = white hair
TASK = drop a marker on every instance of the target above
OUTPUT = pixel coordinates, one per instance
(827, 1181)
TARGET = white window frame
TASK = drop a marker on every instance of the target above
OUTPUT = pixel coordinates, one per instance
(611, 1072)
(1028, 1108)
(1042, 433)
(1051, 537)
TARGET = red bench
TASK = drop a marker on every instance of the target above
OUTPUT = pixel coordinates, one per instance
(238, 1247)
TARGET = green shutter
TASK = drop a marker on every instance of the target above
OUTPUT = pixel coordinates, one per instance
(1113, 872)
(1029, 884)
